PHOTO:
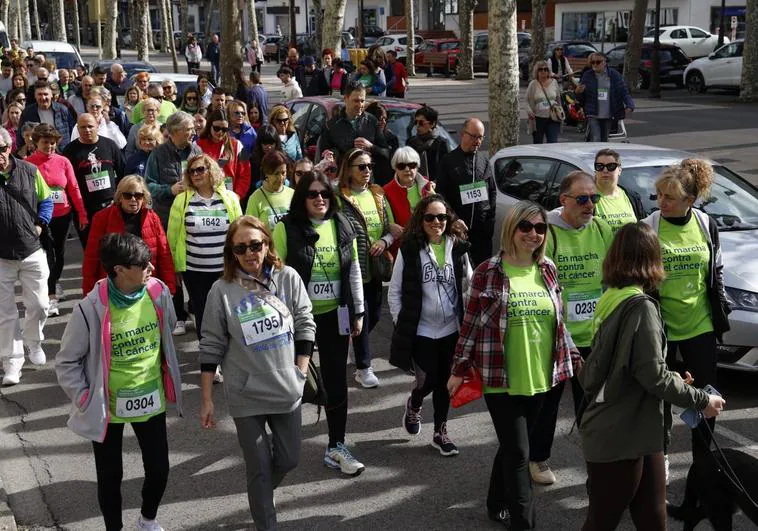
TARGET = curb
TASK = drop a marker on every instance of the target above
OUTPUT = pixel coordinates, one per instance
(7, 520)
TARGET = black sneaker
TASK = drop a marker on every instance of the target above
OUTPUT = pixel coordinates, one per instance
(412, 419)
(501, 517)
(443, 443)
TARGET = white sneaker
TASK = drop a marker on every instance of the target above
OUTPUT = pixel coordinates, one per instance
(59, 293)
(218, 377)
(36, 354)
(666, 468)
(340, 457)
(148, 525)
(366, 378)
(541, 473)
(53, 308)
(12, 368)
(180, 329)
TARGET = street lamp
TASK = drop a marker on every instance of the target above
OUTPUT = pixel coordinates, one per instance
(655, 77)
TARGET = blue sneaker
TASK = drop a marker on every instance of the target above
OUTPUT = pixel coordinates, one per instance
(341, 458)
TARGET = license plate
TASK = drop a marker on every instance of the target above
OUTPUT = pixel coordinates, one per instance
(676, 72)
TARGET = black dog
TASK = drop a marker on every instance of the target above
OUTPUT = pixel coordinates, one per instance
(711, 494)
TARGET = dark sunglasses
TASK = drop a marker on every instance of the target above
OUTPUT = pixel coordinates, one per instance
(313, 194)
(5, 149)
(442, 218)
(543, 69)
(219, 129)
(139, 196)
(364, 167)
(527, 226)
(197, 171)
(20, 99)
(410, 165)
(241, 248)
(282, 120)
(584, 198)
(597, 62)
(190, 98)
(611, 166)
(239, 113)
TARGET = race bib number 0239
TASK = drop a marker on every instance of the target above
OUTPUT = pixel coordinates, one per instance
(581, 306)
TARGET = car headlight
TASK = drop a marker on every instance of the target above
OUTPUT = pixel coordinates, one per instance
(740, 299)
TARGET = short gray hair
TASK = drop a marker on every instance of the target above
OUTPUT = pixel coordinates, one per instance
(405, 154)
(179, 120)
(6, 136)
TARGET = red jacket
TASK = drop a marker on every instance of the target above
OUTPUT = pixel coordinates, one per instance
(111, 220)
(234, 168)
(397, 196)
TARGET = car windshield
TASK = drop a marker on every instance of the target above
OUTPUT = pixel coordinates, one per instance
(733, 202)
(651, 33)
(63, 59)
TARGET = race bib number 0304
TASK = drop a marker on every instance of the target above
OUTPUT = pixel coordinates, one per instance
(136, 403)
(475, 192)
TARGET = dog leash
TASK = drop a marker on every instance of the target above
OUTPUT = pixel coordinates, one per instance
(730, 474)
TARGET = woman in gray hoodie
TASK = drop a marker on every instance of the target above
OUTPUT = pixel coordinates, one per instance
(259, 327)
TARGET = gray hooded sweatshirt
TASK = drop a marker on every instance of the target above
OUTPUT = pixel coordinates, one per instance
(260, 378)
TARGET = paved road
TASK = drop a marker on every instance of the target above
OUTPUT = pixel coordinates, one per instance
(49, 472)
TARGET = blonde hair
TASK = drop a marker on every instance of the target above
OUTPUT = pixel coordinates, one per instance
(536, 67)
(690, 177)
(238, 104)
(217, 176)
(128, 182)
(278, 109)
(150, 102)
(150, 131)
(523, 210)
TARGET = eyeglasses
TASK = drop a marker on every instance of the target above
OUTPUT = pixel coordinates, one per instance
(139, 196)
(5, 149)
(611, 166)
(410, 165)
(584, 198)
(219, 129)
(95, 106)
(475, 137)
(543, 69)
(442, 218)
(282, 120)
(363, 167)
(198, 170)
(241, 248)
(527, 226)
(19, 100)
(313, 194)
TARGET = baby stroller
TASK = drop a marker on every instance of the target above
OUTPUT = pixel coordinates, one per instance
(574, 111)
(617, 132)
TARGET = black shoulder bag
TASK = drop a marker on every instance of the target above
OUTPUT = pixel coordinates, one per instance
(46, 236)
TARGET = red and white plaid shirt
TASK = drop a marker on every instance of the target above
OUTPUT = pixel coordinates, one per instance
(480, 343)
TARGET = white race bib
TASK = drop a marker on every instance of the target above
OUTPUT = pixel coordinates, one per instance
(325, 290)
(98, 181)
(475, 192)
(210, 221)
(602, 94)
(581, 306)
(543, 104)
(138, 406)
(261, 323)
(57, 195)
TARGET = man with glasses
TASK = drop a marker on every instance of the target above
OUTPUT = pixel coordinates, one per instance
(605, 97)
(167, 108)
(45, 110)
(105, 127)
(25, 206)
(98, 166)
(577, 242)
(464, 179)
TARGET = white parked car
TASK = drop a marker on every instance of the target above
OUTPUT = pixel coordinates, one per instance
(695, 42)
(398, 43)
(63, 53)
(721, 69)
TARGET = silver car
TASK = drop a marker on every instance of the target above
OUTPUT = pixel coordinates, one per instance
(535, 172)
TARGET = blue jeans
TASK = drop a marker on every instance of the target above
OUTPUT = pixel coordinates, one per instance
(545, 127)
(598, 129)
(214, 73)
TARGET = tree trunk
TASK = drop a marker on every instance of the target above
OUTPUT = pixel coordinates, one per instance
(26, 24)
(538, 34)
(150, 37)
(749, 83)
(111, 29)
(503, 75)
(4, 7)
(163, 18)
(171, 43)
(58, 17)
(318, 24)
(410, 29)
(209, 20)
(231, 60)
(466, 23)
(634, 44)
(77, 29)
(35, 21)
(334, 17)
(293, 24)
(184, 16)
(13, 20)
(141, 41)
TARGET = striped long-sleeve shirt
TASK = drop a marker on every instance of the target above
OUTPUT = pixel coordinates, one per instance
(207, 222)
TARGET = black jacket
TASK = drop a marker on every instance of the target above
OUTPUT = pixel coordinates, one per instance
(314, 83)
(64, 122)
(435, 149)
(18, 227)
(401, 348)
(339, 135)
(636, 201)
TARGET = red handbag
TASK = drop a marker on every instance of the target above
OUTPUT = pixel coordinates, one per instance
(469, 390)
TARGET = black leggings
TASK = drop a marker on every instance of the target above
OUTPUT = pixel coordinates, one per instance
(198, 284)
(153, 442)
(372, 300)
(332, 355)
(59, 229)
(432, 359)
(698, 355)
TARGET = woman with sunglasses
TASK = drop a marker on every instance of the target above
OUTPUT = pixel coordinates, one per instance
(281, 119)
(425, 299)
(215, 140)
(578, 241)
(111, 383)
(259, 327)
(131, 213)
(542, 93)
(271, 202)
(365, 205)
(197, 225)
(190, 100)
(58, 173)
(407, 188)
(150, 109)
(302, 167)
(520, 362)
(617, 206)
(428, 143)
(16, 96)
(319, 243)
(240, 128)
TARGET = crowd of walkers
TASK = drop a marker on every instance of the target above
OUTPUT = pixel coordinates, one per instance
(281, 257)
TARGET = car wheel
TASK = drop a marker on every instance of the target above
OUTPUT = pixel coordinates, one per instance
(695, 83)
